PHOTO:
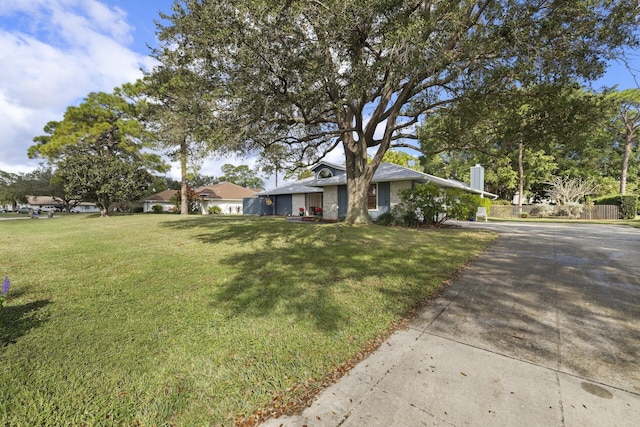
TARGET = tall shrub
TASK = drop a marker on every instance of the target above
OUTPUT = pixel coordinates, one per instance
(628, 206)
(608, 200)
(431, 204)
(421, 203)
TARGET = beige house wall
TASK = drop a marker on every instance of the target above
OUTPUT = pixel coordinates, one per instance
(330, 202)
(297, 201)
(396, 188)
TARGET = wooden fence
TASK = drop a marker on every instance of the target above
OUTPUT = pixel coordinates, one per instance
(597, 212)
(602, 212)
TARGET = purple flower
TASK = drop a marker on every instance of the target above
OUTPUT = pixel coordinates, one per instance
(5, 286)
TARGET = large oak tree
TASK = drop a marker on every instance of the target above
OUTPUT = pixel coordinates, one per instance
(312, 75)
(94, 172)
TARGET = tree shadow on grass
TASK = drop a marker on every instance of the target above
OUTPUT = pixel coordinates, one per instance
(300, 269)
(16, 321)
(278, 268)
(220, 229)
(279, 285)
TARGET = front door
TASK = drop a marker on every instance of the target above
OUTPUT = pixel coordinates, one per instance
(313, 202)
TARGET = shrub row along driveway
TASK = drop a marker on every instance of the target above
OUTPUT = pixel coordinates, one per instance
(542, 329)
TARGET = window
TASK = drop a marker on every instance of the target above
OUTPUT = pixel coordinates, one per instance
(325, 173)
(372, 197)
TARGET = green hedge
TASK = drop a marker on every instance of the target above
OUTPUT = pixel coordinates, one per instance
(629, 206)
(607, 200)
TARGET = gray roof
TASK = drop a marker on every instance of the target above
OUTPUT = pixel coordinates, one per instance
(324, 163)
(298, 187)
(386, 172)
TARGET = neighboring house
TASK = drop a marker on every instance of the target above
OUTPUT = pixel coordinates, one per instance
(328, 191)
(44, 203)
(164, 198)
(85, 207)
(226, 195)
(48, 203)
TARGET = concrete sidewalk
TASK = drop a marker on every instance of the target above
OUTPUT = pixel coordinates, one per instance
(542, 330)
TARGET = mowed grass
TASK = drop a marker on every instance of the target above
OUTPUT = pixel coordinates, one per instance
(163, 320)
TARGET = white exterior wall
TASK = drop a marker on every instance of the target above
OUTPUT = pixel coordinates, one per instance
(330, 202)
(166, 206)
(87, 208)
(228, 206)
(298, 201)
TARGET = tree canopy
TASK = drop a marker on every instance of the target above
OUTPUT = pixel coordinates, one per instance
(108, 118)
(402, 158)
(241, 175)
(177, 111)
(13, 188)
(626, 128)
(310, 75)
(98, 149)
(102, 174)
(523, 132)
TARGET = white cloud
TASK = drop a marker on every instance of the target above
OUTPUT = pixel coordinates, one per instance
(36, 73)
(56, 53)
(109, 21)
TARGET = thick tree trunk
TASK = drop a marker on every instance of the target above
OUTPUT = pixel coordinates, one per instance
(103, 204)
(358, 212)
(358, 180)
(625, 163)
(184, 191)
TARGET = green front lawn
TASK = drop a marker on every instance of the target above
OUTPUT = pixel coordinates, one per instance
(163, 320)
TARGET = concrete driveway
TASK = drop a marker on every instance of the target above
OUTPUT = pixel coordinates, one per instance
(543, 329)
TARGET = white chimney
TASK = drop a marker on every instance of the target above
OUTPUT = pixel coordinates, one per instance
(477, 177)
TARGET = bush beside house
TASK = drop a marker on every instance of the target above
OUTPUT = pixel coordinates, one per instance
(628, 206)
(430, 204)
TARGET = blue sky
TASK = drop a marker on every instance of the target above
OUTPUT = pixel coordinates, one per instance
(54, 52)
